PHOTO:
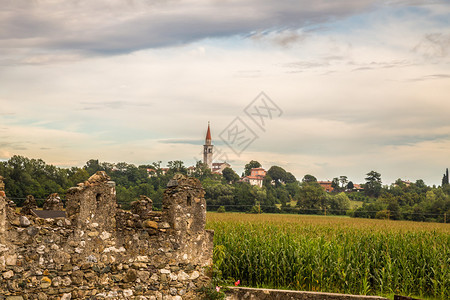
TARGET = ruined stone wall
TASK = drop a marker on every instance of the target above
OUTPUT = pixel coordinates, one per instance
(99, 251)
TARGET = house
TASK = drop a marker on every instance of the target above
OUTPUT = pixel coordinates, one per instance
(256, 177)
(217, 168)
(326, 186)
(191, 170)
(405, 182)
(151, 172)
(357, 187)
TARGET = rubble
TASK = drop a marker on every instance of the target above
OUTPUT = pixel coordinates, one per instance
(53, 202)
(28, 205)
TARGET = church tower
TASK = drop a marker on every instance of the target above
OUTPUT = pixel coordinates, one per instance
(208, 149)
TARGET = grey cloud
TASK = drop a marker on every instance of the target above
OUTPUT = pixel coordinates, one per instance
(181, 141)
(330, 61)
(381, 65)
(284, 38)
(217, 142)
(13, 146)
(306, 64)
(110, 27)
(434, 45)
(326, 61)
(431, 77)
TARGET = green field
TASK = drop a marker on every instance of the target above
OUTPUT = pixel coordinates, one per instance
(333, 254)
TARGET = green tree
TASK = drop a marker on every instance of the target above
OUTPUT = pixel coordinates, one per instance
(335, 184)
(221, 209)
(290, 178)
(312, 199)
(202, 171)
(230, 175)
(278, 174)
(445, 178)
(251, 165)
(92, 166)
(350, 185)
(309, 179)
(343, 180)
(372, 186)
(176, 166)
(339, 204)
(244, 196)
(77, 175)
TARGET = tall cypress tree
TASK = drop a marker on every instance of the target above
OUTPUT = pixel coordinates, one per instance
(445, 178)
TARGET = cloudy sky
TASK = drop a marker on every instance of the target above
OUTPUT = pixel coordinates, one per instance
(360, 85)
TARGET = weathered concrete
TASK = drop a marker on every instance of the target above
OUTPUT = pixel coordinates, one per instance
(239, 293)
(100, 251)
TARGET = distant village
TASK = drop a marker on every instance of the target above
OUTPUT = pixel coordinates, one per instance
(255, 178)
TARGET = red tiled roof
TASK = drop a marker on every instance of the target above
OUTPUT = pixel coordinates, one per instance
(259, 177)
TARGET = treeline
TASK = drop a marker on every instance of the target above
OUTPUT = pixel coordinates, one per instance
(24, 176)
(407, 201)
(280, 192)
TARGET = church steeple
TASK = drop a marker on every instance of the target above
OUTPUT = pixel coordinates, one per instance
(208, 149)
(208, 136)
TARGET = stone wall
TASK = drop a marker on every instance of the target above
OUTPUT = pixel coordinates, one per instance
(99, 251)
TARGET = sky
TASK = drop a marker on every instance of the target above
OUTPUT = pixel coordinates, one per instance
(326, 88)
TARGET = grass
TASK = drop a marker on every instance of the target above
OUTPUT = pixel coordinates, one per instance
(355, 204)
(333, 254)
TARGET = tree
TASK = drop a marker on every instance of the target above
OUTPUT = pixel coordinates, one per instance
(290, 178)
(445, 178)
(339, 204)
(221, 209)
(177, 166)
(350, 185)
(92, 166)
(230, 175)
(278, 174)
(343, 180)
(309, 179)
(312, 198)
(77, 175)
(373, 184)
(335, 184)
(202, 171)
(251, 165)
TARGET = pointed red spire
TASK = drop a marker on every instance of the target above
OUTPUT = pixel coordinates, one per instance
(208, 135)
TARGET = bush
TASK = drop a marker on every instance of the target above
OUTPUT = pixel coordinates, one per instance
(221, 209)
(382, 214)
(255, 210)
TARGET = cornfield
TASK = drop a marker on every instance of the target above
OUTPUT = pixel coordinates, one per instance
(333, 254)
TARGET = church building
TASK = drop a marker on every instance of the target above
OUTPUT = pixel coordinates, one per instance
(208, 152)
(208, 149)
